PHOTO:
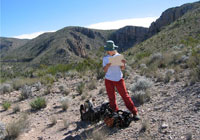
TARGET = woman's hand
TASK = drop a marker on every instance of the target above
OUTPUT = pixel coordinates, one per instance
(124, 62)
(106, 67)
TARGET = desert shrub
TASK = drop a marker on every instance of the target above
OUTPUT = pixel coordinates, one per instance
(194, 59)
(64, 103)
(48, 79)
(59, 75)
(15, 128)
(179, 47)
(102, 90)
(38, 86)
(168, 75)
(190, 41)
(53, 121)
(139, 89)
(2, 131)
(145, 126)
(80, 88)
(26, 92)
(155, 57)
(71, 73)
(142, 83)
(20, 82)
(194, 75)
(64, 90)
(59, 68)
(141, 55)
(98, 135)
(5, 88)
(100, 73)
(6, 105)
(84, 96)
(143, 66)
(65, 123)
(92, 85)
(47, 90)
(176, 78)
(61, 88)
(184, 59)
(38, 103)
(16, 108)
(140, 97)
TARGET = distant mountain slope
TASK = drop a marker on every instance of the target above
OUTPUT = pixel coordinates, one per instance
(67, 44)
(74, 43)
(7, 44)
(128, 36)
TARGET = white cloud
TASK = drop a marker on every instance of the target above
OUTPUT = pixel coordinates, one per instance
(31, 35)
(144, 22)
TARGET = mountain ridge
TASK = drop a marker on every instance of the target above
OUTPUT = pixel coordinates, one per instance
(75, 43)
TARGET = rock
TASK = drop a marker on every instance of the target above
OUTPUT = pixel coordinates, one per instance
(164, 126)
(2, 130)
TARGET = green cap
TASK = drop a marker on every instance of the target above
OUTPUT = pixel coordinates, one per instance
(110, 46)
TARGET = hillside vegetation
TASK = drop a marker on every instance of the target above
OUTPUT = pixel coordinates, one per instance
(176, 47)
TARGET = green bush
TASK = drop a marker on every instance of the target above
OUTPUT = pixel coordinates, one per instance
(59, 68)
(38, 103)
(141, 55)
(6, 105)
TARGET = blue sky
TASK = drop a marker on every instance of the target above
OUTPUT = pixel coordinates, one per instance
(23, 18)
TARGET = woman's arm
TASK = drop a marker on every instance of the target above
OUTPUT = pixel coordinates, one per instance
(106, 67)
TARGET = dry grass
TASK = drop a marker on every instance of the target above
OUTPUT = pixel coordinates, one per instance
(15, 128)
(65, 103)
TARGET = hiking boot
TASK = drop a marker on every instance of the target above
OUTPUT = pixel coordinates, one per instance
(136, 118)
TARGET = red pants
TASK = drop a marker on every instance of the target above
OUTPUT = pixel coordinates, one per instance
(121, 88)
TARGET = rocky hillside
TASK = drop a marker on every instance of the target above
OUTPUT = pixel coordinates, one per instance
(170, 15)
(7, 44)
(63, 46)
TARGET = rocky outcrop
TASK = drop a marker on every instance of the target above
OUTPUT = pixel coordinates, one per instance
(128, 36)
(169, 16)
